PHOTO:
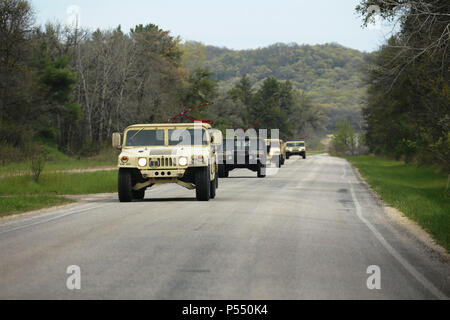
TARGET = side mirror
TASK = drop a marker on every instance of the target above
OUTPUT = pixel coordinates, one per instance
(117, 141)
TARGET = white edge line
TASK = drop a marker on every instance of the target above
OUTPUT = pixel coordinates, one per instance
(49, 220)
(416, 274)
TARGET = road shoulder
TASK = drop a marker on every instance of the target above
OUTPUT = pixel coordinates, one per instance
(405, 224)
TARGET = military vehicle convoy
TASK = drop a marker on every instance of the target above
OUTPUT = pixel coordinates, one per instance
(192, 155)
(295, 148)
(248, 153)
(156, 154)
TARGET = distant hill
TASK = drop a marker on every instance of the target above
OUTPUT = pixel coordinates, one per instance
(331, 74)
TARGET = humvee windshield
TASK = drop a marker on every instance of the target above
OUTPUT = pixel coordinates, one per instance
(144, 138)
(188, 137)
(180, 137)
(301, 144)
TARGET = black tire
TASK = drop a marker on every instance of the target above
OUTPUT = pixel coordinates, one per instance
(261, 171)
(202, 184)
(226, 174)
(222, 171)
(288, 156)
(212, 188)
(282, 161)
(125, 186)
(139, 195)
(304, 156)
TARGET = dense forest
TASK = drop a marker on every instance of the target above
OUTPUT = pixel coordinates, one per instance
(330, 74)
(407, 113)
(73, 87)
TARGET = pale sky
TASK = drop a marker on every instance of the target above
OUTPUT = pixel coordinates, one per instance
(236, 24)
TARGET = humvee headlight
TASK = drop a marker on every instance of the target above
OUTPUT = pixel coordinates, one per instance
(142, 162)
(124, 159)
(183, 161)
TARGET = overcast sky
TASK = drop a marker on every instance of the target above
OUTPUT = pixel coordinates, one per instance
(236, 24)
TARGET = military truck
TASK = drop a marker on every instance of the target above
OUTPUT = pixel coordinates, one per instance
(283, 152)
(296, 148)
(248, 153)
(156, 154)
(277, 152)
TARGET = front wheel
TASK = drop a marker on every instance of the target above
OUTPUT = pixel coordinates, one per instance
(222, 171)
(202, 184)
(261, 171)
(125, 186)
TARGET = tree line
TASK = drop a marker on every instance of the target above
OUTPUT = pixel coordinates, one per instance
(331, 75)
(74, 87)
(407, 108)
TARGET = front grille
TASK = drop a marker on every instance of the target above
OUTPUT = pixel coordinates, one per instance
(162, 152)
(163, 162)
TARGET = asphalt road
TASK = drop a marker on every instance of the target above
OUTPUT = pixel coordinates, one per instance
(309, 232)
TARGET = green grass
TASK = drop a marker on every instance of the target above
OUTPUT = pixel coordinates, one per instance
(19, 204)
(420, 193)
(21, 193)
(58, 161)
(61, 184)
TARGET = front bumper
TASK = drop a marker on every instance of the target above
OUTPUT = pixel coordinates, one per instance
(296, 152)
(163, 173)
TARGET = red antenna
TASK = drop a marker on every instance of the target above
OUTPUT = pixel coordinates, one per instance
(185, 114)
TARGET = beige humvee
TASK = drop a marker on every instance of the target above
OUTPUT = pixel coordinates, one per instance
(296, 148)
(155, 154)
(277, 153)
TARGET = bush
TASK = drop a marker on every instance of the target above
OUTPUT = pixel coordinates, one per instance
(38, 157)
(347, 142)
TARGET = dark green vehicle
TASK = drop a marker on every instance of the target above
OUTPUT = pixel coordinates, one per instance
(243, 154)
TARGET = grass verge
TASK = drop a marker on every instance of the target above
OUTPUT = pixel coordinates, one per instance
(420, 193)
(17, 204)
(58, 161)
(21, 193)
